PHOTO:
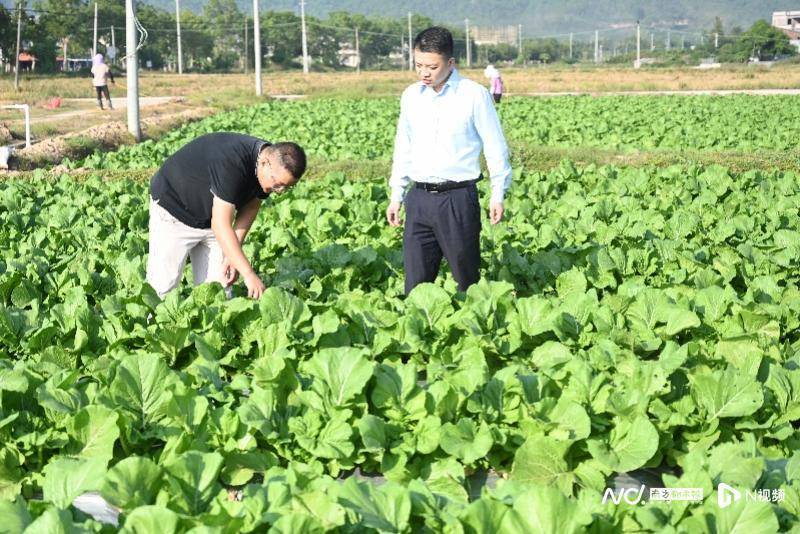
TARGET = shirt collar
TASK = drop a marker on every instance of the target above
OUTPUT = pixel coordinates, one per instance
(451, 82)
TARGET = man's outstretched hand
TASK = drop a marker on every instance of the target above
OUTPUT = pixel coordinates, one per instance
(229, 273)
(255, 287)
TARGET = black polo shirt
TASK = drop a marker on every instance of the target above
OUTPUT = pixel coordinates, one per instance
(221, 164)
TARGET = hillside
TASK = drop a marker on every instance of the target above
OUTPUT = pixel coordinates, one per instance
(539, 16)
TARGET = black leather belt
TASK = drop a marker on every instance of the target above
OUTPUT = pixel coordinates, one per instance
(444, 186)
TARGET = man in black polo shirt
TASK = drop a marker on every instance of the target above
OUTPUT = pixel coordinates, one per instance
(204, 199)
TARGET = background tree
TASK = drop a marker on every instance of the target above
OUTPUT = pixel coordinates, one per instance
(197, 42)
(161, 45)
(280, 36)
(324, 41)
(63, 19)
(542, 50)
(761, 41)
(499, 52)
(222, 18)
(8, 33)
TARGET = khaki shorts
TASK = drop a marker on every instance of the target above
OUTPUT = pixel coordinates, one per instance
(171, 243)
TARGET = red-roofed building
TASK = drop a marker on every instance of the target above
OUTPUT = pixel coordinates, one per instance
(27, 61)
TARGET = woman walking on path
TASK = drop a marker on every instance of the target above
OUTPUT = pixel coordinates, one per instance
(495, 82)
(100, 74)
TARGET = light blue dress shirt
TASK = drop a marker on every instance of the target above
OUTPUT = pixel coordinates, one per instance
(440, 136)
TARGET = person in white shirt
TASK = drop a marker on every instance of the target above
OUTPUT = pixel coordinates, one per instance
(101, 73)
(445, 121)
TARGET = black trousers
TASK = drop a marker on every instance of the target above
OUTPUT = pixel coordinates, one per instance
(446, 224)
(102, 91)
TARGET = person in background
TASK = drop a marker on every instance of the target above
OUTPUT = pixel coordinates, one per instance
(495, 82)
(101, 73)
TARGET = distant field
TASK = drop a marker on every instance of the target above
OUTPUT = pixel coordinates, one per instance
(226, 89)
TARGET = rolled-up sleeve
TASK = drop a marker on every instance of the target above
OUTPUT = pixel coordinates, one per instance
(495, 149)
(401, 161)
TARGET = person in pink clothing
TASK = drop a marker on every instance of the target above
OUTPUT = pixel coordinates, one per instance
(101, 73)
(495, 82)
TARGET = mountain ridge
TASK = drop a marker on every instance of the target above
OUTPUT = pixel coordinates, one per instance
(538, 17)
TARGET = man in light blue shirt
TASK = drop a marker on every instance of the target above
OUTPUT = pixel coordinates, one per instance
(445, 121)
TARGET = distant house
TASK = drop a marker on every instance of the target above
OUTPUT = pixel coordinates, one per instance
(74, 63)
(789, 23)
(27, 61)
(348, 56)
(494, 35)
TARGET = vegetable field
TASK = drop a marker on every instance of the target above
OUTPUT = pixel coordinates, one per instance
(629, 320)
(364, 129)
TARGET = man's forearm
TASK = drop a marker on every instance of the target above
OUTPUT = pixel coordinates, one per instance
(241, 233)
(230, 243)
(245, 219)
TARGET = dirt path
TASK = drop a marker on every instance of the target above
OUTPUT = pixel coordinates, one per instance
(117, 102)
(109, 136)
(720, 92)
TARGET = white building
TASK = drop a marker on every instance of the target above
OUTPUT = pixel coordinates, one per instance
(494, 35)
(786, 20)
(789, 23)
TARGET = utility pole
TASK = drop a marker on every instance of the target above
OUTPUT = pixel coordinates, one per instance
(358, 54)
(113, 44)
(245, 44)
(669, 40)
(570, 45)
(596, 46)
(652, 42)
(133, 70)
(469, 46)
(66, 40)
(716, 40)
(519, 40)
(601, 53)
(19, 35)
(402, 51)
(410, 45)
(94, 36)
(638, 45)
(178, 27)
(305, 42)
(257, 46)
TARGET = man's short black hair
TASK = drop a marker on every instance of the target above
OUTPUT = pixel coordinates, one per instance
(435, 39)
(292, 157)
